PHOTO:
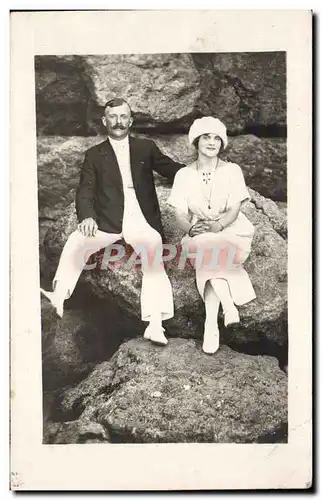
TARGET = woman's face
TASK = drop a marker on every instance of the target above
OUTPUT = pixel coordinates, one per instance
(209, 145)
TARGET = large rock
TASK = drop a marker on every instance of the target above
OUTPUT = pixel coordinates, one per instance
(71, 91)
(160, 88)
(64, 358)
(90, 331)
(245, 90)
(263, 320)
(148, 394)
(82, 431)
(166, 91)
(276, 212)
(263, 161)
(62, 97)
(282, 205)
(59, 160)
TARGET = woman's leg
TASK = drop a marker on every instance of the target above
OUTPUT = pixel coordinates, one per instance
(211, 330)
(222, 291)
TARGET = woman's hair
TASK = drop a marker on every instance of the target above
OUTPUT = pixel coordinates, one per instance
(196, 142)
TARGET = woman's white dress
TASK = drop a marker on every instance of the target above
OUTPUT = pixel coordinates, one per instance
(227, 188)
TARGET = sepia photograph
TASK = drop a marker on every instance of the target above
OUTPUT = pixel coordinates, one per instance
(168, 189)
(140, 155)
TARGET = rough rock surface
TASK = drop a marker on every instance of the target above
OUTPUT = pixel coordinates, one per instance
(79, 432)
(263, 161)
(148, 394)
(62, 97)
(89, 332)
(263, 319)
(59, 160)
(160, 88)
(282, 205)
(63, 347)
(276, 213)
(246, 90)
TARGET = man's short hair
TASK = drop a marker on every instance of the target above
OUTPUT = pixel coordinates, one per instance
(117, 101)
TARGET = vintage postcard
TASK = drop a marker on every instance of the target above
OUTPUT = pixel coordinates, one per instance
(161, 194)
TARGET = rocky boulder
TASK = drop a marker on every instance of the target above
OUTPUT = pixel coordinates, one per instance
(62, 97)
(264, 163)
(166, 91)
(282, 205)
(82, 431)
(63, 348)
(262, 320)
(245, 90)
(89, 332)
(160, 88)
(149, 394)
(276, 213)
(59, 160)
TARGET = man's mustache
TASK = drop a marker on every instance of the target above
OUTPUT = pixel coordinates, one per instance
(121, 127)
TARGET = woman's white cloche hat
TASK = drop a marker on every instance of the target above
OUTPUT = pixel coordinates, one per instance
(208, 125)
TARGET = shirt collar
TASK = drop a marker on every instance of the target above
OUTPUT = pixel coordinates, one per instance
(121, 143)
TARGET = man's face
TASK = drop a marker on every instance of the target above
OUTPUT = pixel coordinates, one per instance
(118, 121)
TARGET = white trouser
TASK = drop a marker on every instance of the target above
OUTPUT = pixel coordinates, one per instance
(156, 291)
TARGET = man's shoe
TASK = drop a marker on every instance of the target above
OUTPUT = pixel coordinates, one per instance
(155, 334)
(58, 306)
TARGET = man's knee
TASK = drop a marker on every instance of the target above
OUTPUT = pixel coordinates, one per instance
(82, 249)
(77, 236)
(154, 240)
(149, 241)
(79, 240)
(147, 251)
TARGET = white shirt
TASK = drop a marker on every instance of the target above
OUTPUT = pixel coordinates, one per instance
(132, 210)
(122, 152)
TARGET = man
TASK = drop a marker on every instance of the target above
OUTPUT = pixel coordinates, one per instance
(116, 199)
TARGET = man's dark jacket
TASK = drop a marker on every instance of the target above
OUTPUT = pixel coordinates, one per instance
(100, 192)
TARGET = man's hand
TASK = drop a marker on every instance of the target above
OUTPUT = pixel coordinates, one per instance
(88, 227)
(200, 227)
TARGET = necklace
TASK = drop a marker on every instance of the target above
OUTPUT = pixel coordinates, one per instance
(207, 181)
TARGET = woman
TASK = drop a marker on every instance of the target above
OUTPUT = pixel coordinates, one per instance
(207, 196)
